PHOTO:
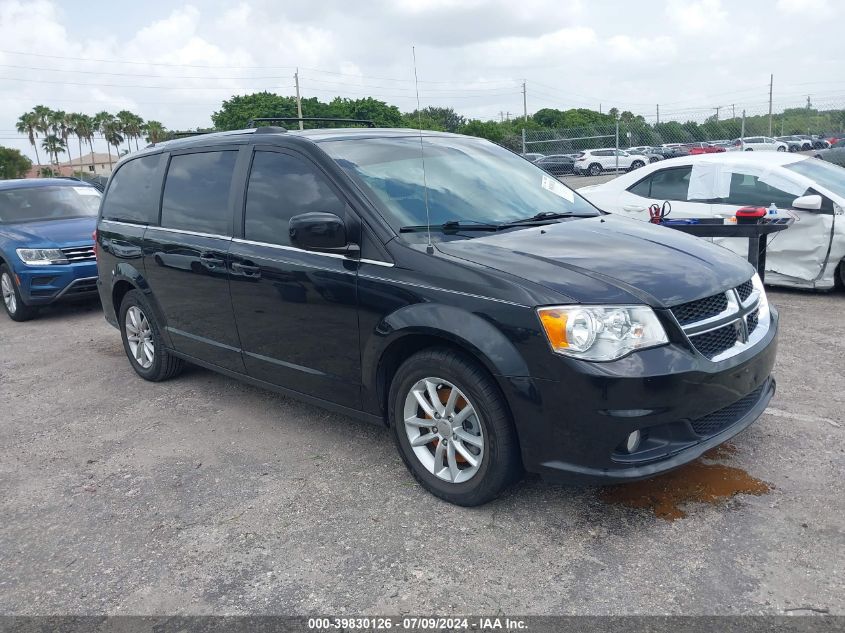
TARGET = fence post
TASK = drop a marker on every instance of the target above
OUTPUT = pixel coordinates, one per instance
(742, 133)
(523, 141)
(617, 146)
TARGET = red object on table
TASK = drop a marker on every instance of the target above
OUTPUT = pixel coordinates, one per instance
(750, 215)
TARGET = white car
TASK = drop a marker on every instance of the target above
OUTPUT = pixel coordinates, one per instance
(760, 143)
(809, 254)
(595, 161)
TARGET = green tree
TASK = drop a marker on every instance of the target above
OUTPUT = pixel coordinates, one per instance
(13, 164)
(131, 126)
(27, 124)
(434, 118)
(53, 145)
(105, 124)
(155, 131)
(235, 113)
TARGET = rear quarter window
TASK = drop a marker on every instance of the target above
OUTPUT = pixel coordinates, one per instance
(134, 192)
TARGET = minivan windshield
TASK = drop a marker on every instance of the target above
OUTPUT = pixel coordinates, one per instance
(469, 181)
(34, 204)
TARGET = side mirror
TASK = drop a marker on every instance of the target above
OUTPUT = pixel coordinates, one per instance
(321, 232)
(810, 203)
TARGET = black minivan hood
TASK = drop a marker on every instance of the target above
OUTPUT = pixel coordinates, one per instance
(609, 259)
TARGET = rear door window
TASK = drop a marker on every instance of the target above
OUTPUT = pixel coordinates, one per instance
(134, 192)
(196, 192)
(280, 187)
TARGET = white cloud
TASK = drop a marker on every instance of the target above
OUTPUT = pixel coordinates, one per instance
(697, 17)
(814, 9)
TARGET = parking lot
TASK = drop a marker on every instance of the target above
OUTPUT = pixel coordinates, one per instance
(203, 495)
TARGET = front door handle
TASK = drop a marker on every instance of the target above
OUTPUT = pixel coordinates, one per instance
(249, 270)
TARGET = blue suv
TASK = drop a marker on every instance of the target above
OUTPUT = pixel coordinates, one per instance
(46, 243)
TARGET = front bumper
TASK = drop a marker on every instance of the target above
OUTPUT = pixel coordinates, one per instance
(575, 429)
(42, 285)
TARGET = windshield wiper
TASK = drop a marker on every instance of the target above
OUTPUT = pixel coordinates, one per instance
(542, 217)
(452, 226)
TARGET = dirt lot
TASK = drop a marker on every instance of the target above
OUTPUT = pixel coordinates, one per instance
(202, 495)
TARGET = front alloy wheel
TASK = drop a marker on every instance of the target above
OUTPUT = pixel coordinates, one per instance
(15, 307)
(452, 427)
(444, 430)
(9, 297)
(139, 337)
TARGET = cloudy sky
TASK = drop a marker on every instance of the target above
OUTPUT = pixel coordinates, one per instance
(177, 62)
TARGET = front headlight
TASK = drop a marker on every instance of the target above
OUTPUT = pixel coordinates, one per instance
(601, 332)
(763, 314)
(41, 256)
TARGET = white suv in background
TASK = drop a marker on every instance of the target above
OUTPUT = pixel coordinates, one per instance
(760, 143)
(595, 161)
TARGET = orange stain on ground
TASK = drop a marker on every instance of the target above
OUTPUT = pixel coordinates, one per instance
(706, 480)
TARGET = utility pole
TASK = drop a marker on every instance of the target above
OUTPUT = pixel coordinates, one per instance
(508, 116)
(658, 114)
(524, 103)
(771, 83)
(298, 100)
(501, 116)
(717, 108)
(733, 110)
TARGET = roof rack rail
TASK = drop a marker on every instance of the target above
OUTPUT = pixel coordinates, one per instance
(189, 133)
(310, 119)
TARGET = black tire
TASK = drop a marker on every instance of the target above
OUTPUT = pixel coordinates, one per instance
(781, 148)
(21, 312)
(793, 148)
(501, 463)
(637, 164)
(749, 149)
(164, 365)
(595, 169)
(839, 277)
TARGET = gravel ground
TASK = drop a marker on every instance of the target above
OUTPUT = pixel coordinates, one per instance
(205, 496)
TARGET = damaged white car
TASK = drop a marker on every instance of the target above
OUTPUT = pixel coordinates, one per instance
(807, 255)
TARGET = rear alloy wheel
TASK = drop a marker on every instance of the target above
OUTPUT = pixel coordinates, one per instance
(142, 340)
(15, 307)
(452, 427)
(595, 169)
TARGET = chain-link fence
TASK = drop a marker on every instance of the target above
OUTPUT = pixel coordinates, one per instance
(787, 129)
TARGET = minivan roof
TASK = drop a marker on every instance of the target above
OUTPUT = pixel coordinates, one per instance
(321, 134)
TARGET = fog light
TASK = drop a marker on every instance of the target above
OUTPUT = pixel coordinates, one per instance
(633, 442)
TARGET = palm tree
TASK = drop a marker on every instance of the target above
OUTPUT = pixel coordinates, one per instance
(53, 144)
(41, 116)
(155, 131)
(103, 122)
(83, 126)
(112, 131)
(26, 125)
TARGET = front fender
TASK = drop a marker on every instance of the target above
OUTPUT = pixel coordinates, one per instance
(476, 334)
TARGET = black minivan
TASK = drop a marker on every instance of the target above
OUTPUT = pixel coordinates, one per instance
(443, 286)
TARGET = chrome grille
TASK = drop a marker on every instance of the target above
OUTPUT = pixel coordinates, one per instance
(714, 342)
(744, 290)
(722, 325)
(79, 254)
(700, 309)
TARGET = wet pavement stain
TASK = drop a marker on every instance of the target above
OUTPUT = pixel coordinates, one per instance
(706, 480)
